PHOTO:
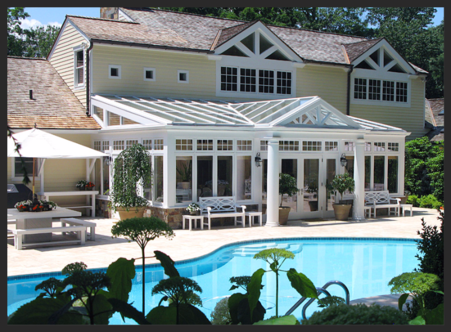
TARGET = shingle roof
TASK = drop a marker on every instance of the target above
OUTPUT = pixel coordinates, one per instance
(162, 28)
(437, 105)
(53, 104)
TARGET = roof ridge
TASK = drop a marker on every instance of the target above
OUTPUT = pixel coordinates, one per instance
(316, 31)
(102, 19)
(24, 57)
(364, 41)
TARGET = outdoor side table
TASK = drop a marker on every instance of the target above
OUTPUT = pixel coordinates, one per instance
(367, 210)
(404, 207)
(252, 215)
(192, 218)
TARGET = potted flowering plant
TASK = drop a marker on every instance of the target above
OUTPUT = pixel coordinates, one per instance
(48, 205)
(89, 186)
(193, 208)
(81, 184)
(24, 206)
(341, 183)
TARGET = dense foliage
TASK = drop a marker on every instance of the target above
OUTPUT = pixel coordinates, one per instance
(359, 314)
(425, 168)
(287, 185)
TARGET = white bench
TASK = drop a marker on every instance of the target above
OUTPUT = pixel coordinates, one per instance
(221, 207)
(88, 224)
(382, 200)
(19, 233)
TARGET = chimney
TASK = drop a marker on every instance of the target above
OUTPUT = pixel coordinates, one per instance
(109, 12)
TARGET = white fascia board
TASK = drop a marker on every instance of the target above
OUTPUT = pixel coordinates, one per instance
(127, 111)
(121, 15)
(383, 44)
(66, 22)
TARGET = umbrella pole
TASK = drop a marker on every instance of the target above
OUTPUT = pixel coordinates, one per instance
(34, 160)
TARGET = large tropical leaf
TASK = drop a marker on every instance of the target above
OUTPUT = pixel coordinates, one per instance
(284, 320)
(167, 263)
(302, 284)
(129, 311)
(254, 288)
(188, 315)
(121, 273)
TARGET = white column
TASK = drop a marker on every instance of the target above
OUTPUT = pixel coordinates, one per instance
(272, 204)
(359, 178)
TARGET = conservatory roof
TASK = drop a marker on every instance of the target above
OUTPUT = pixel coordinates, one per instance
(311, 112)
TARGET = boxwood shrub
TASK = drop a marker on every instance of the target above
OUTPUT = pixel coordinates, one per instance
(359, 314)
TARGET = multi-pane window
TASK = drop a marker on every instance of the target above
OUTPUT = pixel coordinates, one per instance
(147, 143)
(97, 145)
(79, 68)
(224, 144)
(256, 81)
(158, 144)
(393, 146)
(183, 144)
(264, 145)
(401, 92)
(244, 145)
(229, 79)
(204, 144)
(367, 146)
(248, 80)
(283, 82)
(311, 146)
(374, 89)
(331, 146)
(288, 146)
(266, 81)
(388, 91)
(130, 142)
(379, 146)
(360, 88)
(118, 145)
(349, 146)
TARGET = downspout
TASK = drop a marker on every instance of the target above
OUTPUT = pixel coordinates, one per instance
(88, 82)
(348, 100)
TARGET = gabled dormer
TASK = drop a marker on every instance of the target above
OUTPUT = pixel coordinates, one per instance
(380, 76)
(252, 62)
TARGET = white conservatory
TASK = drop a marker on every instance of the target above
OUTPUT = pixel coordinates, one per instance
(200, 148)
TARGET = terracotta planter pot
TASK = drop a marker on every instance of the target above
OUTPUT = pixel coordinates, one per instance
(131, 213)
(342, 211)
(283, 214)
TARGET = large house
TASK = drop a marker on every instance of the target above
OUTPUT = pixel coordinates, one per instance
(212, 96)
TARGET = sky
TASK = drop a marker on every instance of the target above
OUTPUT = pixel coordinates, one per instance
(55, 15)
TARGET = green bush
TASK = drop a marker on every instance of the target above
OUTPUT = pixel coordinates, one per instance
(359, 314)
(413, 199)
(430, 202)
(221, 314)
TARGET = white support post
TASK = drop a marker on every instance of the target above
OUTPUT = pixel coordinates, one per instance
(359, 178)
(272, 205)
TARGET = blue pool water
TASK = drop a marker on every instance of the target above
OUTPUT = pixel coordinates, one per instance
(364, 265)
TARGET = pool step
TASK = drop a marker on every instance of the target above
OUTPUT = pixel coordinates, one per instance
(256, 248)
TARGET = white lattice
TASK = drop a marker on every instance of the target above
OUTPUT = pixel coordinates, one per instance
(217, 204)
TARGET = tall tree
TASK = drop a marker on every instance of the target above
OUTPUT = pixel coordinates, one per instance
(14, 32)
(39, 41)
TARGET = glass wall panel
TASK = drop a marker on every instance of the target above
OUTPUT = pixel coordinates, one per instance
(367, 173)
(158, 175)
(244, 177)
(392, 182)
(204, 176)
(225, 175)
(147, 185)
(311, 175)
(290, 166)
(183, 179)
(330, 174)
(350, 166)
(379, 172)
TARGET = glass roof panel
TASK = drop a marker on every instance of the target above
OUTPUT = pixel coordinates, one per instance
(273, 113)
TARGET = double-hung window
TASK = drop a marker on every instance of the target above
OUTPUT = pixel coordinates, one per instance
(79, 68)
(380, 90)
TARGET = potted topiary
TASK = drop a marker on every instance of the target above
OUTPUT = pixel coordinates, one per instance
(341, 183)
(131, 167)
(287, 185)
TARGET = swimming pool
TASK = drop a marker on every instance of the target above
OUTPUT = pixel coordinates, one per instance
(364, 265)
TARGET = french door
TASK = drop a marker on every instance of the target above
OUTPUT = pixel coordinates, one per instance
(313, 173)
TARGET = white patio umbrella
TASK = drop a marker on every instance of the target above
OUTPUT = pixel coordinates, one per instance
(36, 143)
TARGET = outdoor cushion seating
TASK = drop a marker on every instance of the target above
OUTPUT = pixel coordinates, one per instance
(382, 200)
(19, 233)
(89, 224)
(221, 207)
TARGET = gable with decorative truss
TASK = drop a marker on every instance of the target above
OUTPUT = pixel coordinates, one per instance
(252, 62)
(381, 77)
